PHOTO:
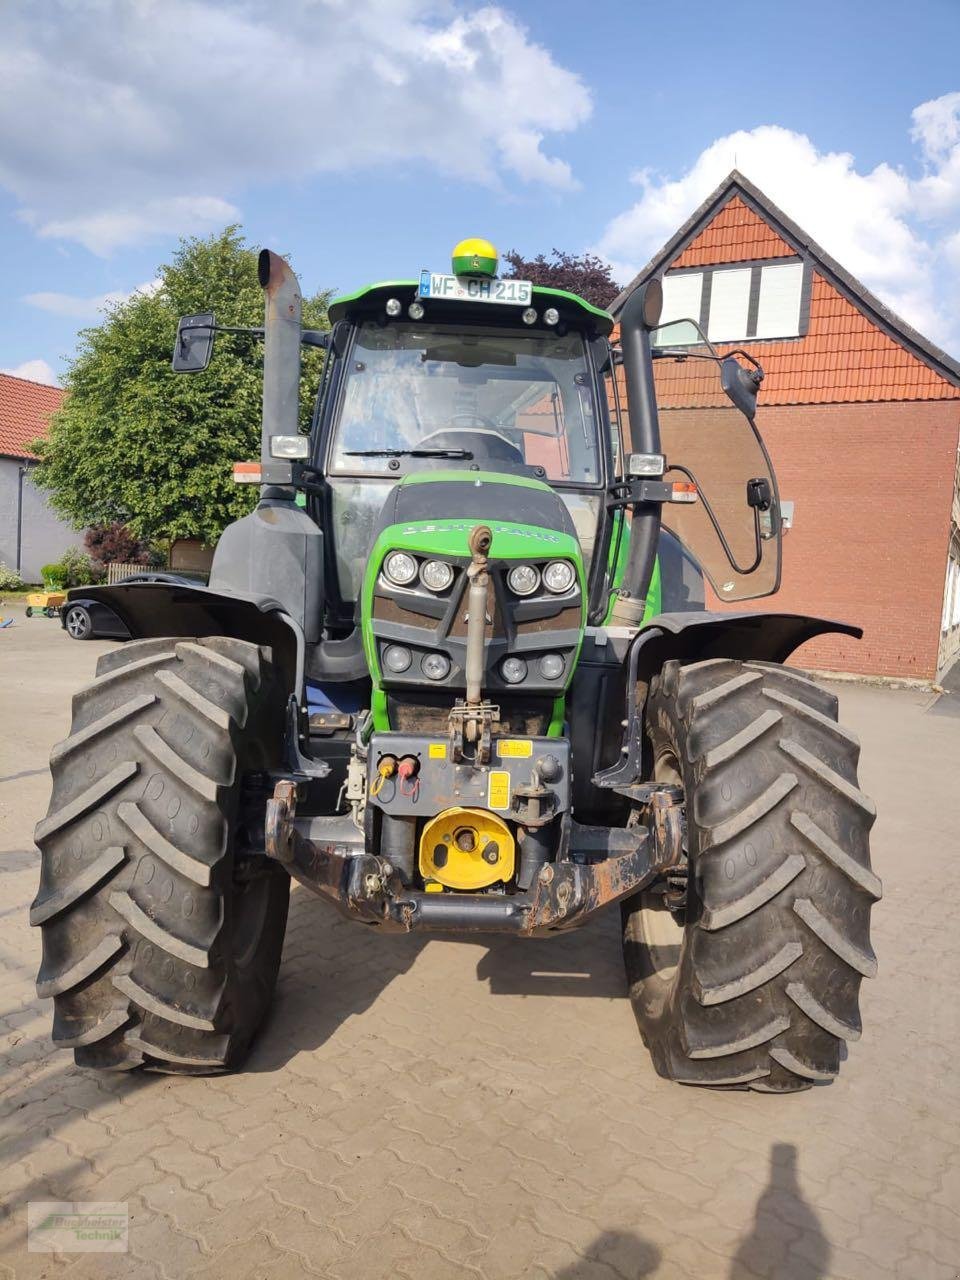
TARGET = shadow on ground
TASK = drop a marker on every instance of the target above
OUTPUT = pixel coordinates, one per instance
(615, 1253)
(334, 969)
(786, 1240)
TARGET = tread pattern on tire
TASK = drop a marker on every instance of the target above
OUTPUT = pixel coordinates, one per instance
(766, 985)
(136, 867)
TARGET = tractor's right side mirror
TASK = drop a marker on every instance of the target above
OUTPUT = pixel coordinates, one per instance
(194, 345)
(741, 385)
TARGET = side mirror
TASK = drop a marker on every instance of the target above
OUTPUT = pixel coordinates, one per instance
(194, 345)
(741, 385)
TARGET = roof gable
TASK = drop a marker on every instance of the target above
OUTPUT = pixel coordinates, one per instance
(25, 409)
(735, 234)
(737, 222)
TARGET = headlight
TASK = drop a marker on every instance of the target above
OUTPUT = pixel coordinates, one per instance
(523, 579)
(559, 576)
(436, 574)
(397, 658)
(551, 666)
(513, 670)
(400, 568)
(435, 666)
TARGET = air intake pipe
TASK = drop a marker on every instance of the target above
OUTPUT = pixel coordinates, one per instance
(281, 363)
(639, 317)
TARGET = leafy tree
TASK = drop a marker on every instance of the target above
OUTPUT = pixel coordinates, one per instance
(114, 543)
(137, 444)
(584, 274)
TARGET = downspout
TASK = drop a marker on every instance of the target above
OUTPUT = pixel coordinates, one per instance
(640, 315)
(283, 307)
(22, 470)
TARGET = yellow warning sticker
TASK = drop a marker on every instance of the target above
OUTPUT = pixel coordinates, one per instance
(498, 789)
(437, 751)
(514, 747)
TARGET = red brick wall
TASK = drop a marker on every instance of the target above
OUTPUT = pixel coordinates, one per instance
(872, 486)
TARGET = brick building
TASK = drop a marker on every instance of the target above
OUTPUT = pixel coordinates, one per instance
(31, 532)
(861, 415)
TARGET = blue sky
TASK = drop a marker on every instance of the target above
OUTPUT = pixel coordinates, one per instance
(363, 137)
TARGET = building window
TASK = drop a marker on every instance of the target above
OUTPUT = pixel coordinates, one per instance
(752, 300)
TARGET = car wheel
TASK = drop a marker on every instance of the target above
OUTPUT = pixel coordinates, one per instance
(78, 623)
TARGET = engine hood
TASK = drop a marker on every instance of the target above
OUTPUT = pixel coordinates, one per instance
(487, 496)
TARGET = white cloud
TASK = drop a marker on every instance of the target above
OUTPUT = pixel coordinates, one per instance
(34, 371)
(77, 308)
(894, 232)
(120, 121)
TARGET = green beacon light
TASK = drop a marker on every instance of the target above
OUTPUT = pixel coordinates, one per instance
(475, 257)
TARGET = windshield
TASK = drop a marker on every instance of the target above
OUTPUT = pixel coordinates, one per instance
(472, 393)
(706, 439)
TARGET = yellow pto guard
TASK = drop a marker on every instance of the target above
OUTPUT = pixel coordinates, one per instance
(466, 849)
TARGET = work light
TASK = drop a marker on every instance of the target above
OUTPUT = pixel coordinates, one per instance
(513, 670)
(436, 574)
(400, 568)
(523, 579)
(435, 665)
(559, 576)
(397, 658)
(551, 666)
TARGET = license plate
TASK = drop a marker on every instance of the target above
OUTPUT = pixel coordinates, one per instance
(517, 293)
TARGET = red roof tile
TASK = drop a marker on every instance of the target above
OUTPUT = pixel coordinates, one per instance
(736, 234)
(25, 409)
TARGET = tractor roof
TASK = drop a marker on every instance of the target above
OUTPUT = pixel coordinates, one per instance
(371, 299)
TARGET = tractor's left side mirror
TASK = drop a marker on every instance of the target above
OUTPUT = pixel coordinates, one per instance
(741, 385)
(194, 345)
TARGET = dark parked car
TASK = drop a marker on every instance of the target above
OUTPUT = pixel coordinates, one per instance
(85, 619)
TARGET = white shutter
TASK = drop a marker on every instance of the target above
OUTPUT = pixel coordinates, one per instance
(780, 289)
(681, 297)
(681, 301)
(729, 304)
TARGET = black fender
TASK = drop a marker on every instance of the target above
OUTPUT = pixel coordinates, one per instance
(161, 609)
(694, 637)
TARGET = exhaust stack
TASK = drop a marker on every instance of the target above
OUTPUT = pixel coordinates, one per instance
(281, 363)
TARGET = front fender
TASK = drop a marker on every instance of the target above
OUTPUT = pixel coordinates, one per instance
(694, 637)
(151, 609)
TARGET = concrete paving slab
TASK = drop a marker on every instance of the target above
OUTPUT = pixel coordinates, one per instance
(428, 1108)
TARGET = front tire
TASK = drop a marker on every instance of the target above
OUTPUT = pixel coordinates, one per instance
(162, 929)
(78, 623)
(753, 980)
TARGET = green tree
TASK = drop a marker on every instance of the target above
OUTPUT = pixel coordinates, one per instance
(136, 443)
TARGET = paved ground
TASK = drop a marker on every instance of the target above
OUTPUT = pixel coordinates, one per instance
(433, 1109)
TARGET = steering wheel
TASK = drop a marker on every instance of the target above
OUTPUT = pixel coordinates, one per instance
(484, 439)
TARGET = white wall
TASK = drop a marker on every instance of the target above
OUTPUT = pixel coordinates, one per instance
(44, 535)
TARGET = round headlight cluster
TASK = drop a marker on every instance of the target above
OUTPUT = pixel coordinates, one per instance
(397, 658)
(513, 670)
(436, 574)
(435, 666)
(523, 579)
(400, 568)
(559, 576)
(551, 666)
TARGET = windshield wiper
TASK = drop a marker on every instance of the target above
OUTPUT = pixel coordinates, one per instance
(407, 453)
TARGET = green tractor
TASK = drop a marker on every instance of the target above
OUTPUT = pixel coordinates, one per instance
(454, 673)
